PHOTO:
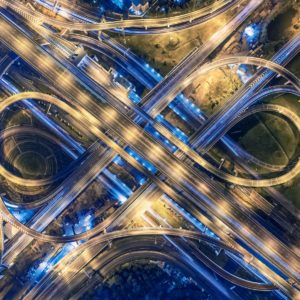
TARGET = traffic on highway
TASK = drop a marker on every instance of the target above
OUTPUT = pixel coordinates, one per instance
(154, 138)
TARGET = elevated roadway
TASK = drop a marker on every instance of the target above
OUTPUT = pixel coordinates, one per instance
(21, 226)
(146, 244)
(208, 134)
(48, 68)
(247, 60)
(257, 198)
(137, 68)
(194, 155)
(159, 25)
(127, 60)
(29, 130)
(202, 162)
(289, 75)
(159, 97)
(186, 149)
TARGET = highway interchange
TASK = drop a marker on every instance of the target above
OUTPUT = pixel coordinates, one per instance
(105, 112)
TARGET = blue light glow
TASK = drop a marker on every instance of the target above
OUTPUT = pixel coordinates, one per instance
(252, 33)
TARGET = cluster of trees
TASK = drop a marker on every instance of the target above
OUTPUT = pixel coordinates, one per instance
(146, 281)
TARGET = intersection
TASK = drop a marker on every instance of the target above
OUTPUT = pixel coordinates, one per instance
(164, 165)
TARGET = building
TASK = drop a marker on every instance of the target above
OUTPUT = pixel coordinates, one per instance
(139, 7)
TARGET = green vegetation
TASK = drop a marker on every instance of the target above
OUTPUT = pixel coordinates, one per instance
(187, 7)
(22, 117)
(291, 190)
(211, 90)
(165, 51)
(272, 139)
(140, 280)
(31, 165)
(279, 27)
